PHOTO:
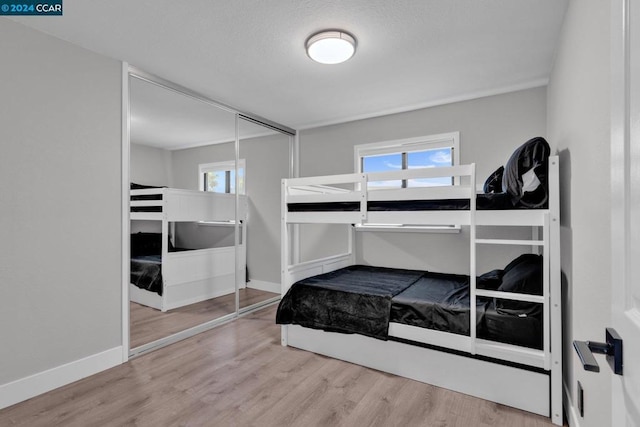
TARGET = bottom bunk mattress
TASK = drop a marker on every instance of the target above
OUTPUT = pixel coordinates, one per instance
(437, 301)
(146, 273)
(355, 299)
(441, 302)
(364, 299)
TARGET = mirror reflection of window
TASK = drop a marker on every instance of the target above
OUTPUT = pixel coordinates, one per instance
(220, 177)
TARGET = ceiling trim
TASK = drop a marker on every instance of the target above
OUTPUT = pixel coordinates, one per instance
(459, 98)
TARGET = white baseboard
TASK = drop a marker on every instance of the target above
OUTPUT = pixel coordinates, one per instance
(42, 382)
(572, 413)
(264, 286)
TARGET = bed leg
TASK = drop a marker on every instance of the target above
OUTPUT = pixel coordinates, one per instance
(283, 336)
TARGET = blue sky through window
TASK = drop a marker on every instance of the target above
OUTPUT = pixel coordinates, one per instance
(415, 159)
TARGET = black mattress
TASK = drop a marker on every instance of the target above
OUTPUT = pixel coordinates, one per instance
(441, 302)
(363, 299)
(146, 272)
(437, 301)
(491, 201)
(355, 299)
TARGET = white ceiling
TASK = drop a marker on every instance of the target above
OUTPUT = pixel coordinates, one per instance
(250, 53)
(170, 120)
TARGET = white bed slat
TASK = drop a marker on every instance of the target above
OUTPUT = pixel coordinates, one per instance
(325, 180)
(147, 191)
(146, 203)
(511, 353)
(353, 196)
(511, 296)
(418, 173)
(510, 242)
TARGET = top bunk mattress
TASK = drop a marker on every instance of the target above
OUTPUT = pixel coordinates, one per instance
(490, 201)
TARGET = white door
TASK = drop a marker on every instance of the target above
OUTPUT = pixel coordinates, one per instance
(626, 206)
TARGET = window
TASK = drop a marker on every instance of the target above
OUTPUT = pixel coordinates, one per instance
(220, 177)
(423, 152)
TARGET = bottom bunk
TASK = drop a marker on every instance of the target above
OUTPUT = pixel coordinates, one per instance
(182, 277)
(365, 300)
(417, 324)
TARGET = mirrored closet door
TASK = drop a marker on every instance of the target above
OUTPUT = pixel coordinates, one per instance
(183, 213)
(264, 160)
(204, 212)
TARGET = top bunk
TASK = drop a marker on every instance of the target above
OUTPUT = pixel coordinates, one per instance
(173, 204)
(352, 199)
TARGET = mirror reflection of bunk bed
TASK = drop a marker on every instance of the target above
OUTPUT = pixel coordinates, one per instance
(165, 276)
(495, 335)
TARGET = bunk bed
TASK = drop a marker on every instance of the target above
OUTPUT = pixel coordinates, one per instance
(474, 334)
(166, 277)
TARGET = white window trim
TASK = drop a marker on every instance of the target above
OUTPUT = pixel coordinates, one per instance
(421, 143)
(221, 166)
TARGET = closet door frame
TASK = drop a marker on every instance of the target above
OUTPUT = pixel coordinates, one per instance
(129, 71)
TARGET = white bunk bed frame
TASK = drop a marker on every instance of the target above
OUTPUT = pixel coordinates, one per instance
(516, 376)
(194, 275)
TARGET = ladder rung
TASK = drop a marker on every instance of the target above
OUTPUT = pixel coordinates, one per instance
(510, 242)
(510, 296)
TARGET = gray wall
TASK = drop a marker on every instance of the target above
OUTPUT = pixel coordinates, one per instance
(60, 179)
(490, 129)
(267, 162)
(150, 165)
(579, 126)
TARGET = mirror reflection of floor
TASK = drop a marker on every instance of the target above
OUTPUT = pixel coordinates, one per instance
(148, 324)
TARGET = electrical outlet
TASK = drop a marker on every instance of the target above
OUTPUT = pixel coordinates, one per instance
(580, 399)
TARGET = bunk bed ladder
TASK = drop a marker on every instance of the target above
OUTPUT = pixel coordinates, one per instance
(540, 243)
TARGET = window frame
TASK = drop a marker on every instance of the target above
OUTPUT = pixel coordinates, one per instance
(225, 166)
(403, 146)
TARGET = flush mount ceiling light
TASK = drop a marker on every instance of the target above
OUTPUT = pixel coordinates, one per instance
(331, 47)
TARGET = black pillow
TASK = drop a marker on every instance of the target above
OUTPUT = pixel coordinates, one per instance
(524, 258)
(493, 184)
(490, 280)
(532, 155)
(523, 275)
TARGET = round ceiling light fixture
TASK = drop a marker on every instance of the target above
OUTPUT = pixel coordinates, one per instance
(331, 47)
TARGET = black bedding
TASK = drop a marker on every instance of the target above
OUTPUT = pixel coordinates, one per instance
(355, 299)
(490, 201)
(441, 302)
(363, 300)
(146, 261)
(146, 272)
(437, 301)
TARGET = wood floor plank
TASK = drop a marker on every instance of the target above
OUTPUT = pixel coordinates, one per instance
(148, 324)
(239, 375)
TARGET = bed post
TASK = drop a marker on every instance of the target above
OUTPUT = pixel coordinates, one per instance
(472, 259)
(284, 253)
(165, 241)
(555, 291)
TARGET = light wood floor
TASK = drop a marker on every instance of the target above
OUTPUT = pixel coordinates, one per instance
(239, 375)
(148, 324)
